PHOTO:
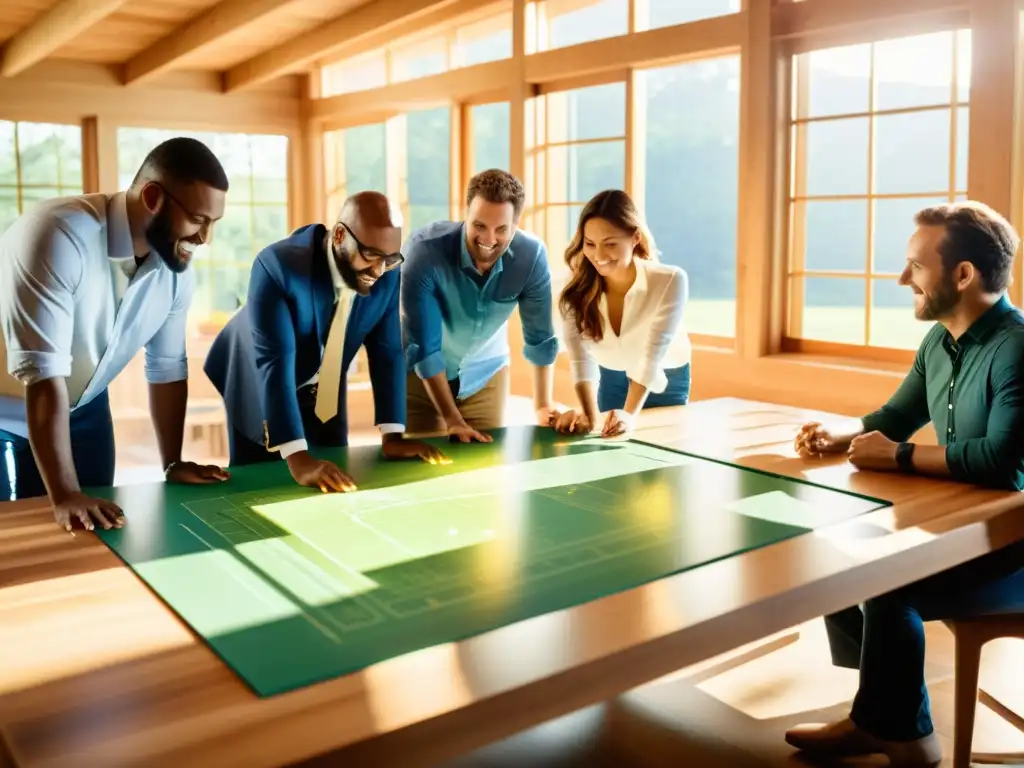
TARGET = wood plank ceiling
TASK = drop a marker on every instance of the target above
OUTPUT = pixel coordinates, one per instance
(249, 41)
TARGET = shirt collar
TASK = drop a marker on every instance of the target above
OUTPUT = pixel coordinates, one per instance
(982, 328)
(119, 234)
(336, 279)
(640, 283)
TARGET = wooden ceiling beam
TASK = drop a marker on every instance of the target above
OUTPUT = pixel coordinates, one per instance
(374, 18)
(205, 30)
(57, 26)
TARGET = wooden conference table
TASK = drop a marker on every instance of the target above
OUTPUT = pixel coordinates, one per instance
(96, 671)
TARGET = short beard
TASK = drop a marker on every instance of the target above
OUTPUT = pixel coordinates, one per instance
(942, 303)
(348, 273)
(162, 241)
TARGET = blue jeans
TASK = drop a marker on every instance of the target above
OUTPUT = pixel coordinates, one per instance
(614, 385)
(92, 451)
(885, 639)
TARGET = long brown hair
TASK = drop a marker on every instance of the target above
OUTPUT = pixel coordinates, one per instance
(582, 293)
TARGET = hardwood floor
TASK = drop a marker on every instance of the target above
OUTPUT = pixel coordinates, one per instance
(737, 718)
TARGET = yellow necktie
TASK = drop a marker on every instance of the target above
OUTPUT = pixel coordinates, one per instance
(329, 379)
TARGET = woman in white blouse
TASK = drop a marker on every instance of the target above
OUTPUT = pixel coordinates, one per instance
(623, 320)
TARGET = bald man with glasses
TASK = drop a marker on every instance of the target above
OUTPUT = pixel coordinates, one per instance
(280, 364)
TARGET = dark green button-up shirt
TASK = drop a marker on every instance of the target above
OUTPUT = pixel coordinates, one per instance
(972, 390)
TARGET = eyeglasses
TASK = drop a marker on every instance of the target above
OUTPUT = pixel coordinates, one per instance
(391, 260)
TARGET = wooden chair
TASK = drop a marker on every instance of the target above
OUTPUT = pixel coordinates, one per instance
(971, 635)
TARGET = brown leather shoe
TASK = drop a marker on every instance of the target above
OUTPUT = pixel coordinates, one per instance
(846, 739)
(842, 739)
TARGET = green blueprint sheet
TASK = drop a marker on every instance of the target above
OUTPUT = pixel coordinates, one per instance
(290, 586)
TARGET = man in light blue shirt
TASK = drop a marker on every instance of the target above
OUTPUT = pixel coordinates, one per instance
(85, 283)
(461, 282)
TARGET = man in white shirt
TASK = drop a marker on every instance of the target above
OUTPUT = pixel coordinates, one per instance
(85, 283)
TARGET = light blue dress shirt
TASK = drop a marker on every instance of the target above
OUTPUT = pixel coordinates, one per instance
(455, 319)
(73, 304)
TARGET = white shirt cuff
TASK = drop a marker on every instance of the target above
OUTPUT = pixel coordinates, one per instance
(292, 446)
(387, 429)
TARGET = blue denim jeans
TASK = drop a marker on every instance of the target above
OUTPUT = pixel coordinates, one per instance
(885, 638)
(614, 385)
(92, 450)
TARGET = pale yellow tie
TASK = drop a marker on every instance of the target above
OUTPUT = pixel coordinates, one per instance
(329, 379)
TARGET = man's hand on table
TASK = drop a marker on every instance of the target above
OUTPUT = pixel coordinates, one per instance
(317, 473)
(462, 432)
(816, 439)
(190, 473)
(873, 451)
(87, 509)
(403, 448)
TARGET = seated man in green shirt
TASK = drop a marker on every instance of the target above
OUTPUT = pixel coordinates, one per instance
(968, 381)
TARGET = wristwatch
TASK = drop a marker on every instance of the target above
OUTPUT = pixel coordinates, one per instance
(905, 457)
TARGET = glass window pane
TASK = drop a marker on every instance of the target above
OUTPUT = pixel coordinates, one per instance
(839, 81)
(365, 154)
(835, 235)
(690, 181)
(428, 138)
(269, 224)
(837, 157)
(912, 152)
(486, 40)
(8, 208)
(914, 71)
(39, 153)
(667, 13)
(423, 59)
(8, 167)
(490, 126)
(577, 172)
(834, 310)
(360, 73)
(893, 323)
(570, 24)
(598, 112)
(30, 196)
(894, 224)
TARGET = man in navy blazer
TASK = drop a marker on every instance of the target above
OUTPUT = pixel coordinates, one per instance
(314, 299)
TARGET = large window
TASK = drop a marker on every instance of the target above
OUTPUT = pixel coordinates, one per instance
(879, 131)
(355, 161)
(691, 156)
(256, 214)
(580, 150)
(427, 187)
(489, 136)
(38, 161)
(419, 59)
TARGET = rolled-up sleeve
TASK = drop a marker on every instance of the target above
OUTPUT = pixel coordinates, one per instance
(540, 345)
(166, 355)
(421, 313)
(997, 459)
(647, 370)
(41, 272)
